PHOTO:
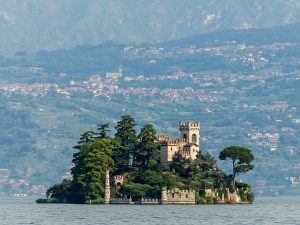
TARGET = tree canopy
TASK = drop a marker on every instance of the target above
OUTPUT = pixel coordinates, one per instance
(126, 139)
(89, 168)
(103, 130)
(147, 154)
(241, 160)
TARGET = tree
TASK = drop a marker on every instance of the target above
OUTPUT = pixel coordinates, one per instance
(60, 192)
(85, 138)
(169, 180)
(147, 153)
(182, 166)
(127, 140)
(203, 163)
(89, 168)
(103, 129)
(206, 174)
(135, 190)
(241, 160)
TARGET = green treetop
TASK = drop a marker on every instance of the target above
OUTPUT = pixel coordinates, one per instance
(148, 148)
(103, 130)
(85, 138)
(127, 140)
(241, 159)
(89, 168)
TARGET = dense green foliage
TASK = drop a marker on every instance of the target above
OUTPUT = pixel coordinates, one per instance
(127, 140)
(90, 164)
(147, 154)
(143, 177)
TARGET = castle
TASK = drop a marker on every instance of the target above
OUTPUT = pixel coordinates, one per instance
(186, 145)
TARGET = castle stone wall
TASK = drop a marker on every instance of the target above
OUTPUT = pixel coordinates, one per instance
(176, 196)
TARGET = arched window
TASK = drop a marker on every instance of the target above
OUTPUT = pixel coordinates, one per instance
(185, 136)
(194, 138)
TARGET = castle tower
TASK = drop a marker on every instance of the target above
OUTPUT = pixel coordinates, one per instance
(107, 188)
(188, 144)
(190, 131)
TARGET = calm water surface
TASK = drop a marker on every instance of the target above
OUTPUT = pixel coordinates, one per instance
(281, 210)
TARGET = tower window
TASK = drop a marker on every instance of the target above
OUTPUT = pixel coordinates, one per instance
(194, 138)
(185, 136)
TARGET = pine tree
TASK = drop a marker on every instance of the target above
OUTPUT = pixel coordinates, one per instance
(147, 153)
(89, 168)
(126, 139)
(241, 159)
(103, 130)
(85, 138)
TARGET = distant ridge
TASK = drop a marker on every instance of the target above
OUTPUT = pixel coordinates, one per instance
(109, 55)
(34, 25)
(286, 33)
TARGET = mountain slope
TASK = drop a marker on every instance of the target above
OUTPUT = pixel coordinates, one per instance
(32, 25)
(108, 56)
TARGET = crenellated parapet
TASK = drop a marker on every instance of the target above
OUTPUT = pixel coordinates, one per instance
(169, 143)
(162, 137)
(176, 196)
(187, 125)
(118, 180)
(149, 201)
(124, 201)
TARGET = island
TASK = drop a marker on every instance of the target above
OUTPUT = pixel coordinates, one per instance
(146, 168)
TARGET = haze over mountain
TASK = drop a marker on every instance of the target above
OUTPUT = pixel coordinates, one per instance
(251, 76)
(33, 25)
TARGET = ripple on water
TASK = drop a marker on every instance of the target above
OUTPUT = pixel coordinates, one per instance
(282, 210)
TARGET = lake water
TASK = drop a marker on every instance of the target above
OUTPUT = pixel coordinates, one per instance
(280, 210)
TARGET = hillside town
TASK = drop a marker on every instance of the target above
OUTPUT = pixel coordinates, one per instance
(207, 88)
(268, 125)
